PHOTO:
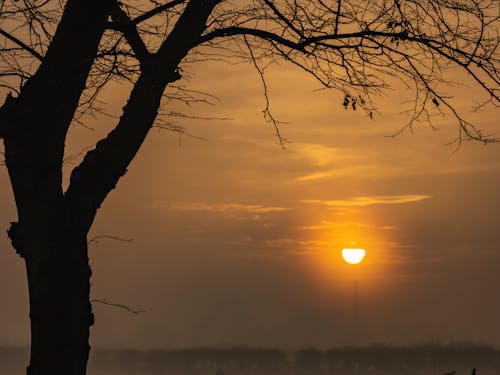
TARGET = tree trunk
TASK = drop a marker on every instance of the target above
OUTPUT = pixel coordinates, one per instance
(60, 311)
(52, 225)
(54, 248)
(33, 126)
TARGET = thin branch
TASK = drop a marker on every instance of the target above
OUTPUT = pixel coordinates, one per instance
(267, 111)
(156, 11)
(21, 44)
(337, 16)
(103, 301)
(96, 239)
(287, 22)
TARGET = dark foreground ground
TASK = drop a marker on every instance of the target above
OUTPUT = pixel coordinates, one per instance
(373, 360)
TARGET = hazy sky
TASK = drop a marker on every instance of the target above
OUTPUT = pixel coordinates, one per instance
(237, 241)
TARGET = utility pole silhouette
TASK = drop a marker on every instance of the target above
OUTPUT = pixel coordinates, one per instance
(355, 301)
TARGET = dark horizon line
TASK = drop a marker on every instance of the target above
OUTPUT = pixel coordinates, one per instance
(431, 345)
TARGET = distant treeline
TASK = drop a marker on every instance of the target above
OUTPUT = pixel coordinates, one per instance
(381, 357)
(376, 357)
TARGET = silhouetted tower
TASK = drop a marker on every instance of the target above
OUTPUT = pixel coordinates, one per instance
(355, 300)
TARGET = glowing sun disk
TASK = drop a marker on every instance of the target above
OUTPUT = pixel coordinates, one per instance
(353, 256)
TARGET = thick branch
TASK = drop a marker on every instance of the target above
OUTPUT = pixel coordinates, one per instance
(35, 123)
(188, 29)
(122, 23)
(300, 44)
(102, 167)
(262, 34)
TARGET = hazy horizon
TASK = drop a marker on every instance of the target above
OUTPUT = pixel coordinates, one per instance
(458, 360)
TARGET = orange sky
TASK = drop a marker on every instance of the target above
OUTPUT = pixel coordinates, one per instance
(237, 241)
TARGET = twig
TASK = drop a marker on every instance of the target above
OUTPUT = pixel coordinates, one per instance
(268, 116)
(119, 305)
(97, 238)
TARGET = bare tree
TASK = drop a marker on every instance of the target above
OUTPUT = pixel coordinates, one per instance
(57, 55)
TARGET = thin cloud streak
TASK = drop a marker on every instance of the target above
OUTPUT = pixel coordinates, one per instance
(221, 207)
(369, 200)
(325, 224)
(315, 176)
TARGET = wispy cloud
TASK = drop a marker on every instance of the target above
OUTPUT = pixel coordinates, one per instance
(369, 200)
(325, 224)
(315, 176)
(222, 207)
(353, 168)
(321, 155)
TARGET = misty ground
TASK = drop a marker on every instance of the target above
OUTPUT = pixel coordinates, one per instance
(373, 360)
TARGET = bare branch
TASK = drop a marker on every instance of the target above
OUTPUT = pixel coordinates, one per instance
(102, 167)
(280, 16)
(268, 116)
(96, 239)
(21, 44)
(357, 47)
(153, 12)
(103, 301)
(122, 23)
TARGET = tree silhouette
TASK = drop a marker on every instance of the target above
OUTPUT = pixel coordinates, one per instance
(56, 56)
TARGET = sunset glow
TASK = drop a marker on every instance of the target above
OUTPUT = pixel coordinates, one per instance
(260, 211)
(353, 256)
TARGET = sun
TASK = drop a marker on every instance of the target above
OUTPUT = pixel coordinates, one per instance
(353, 256)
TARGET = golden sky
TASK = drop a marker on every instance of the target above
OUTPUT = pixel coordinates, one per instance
(237, 241)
